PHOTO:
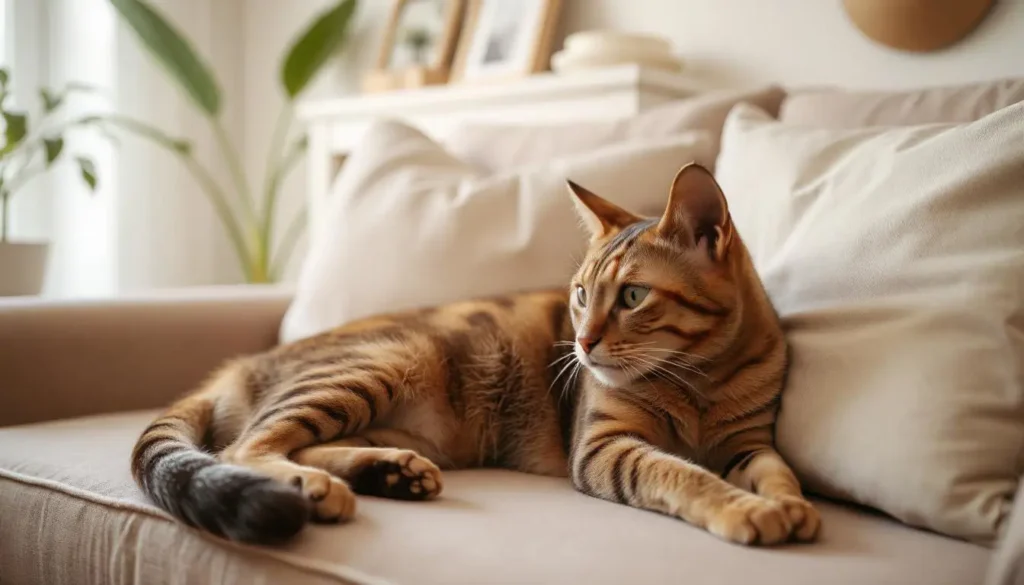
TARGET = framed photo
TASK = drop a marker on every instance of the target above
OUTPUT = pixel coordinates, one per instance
(505, 38)
(418, 45)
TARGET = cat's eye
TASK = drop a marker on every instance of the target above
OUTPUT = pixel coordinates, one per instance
(633, 295)
(581, 296)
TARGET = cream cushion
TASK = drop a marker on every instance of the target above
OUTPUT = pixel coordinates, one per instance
(895, 258)
(502, 147)
(834, 108)
(409, 225)
(1007, 566)
(70, 515)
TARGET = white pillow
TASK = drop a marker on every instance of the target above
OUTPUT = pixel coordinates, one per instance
(895, 258)
(411, 226)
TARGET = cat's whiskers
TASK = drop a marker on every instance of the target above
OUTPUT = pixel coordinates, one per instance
(568, 364)
(679, 364)
(690, 357)
(661, 371)
(572, 379)
(564, 357)
(671, 352)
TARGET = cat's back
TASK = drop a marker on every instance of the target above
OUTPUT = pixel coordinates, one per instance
(466, 340)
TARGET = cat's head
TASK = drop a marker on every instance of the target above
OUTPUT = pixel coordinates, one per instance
(655, 292)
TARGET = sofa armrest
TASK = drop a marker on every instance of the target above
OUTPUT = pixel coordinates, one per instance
(61, 359)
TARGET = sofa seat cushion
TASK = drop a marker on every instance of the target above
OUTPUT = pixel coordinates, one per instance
(69, 513)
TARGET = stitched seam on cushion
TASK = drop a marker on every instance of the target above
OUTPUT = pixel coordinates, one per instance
(345, 575)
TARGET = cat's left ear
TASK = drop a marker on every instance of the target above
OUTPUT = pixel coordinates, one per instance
(600, 216)
(697, 213)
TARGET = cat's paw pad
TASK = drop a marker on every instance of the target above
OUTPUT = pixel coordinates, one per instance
(803, 516)
(403, 475)
(331, 498)
(752, 519)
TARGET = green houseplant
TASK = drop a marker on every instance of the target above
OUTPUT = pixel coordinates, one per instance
(32, 145)
(248, 214)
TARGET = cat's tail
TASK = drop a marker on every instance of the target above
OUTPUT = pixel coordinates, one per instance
(231, 501)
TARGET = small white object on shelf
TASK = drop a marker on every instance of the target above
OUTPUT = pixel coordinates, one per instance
(594, 49)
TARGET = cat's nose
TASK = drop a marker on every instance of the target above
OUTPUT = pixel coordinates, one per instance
(588, 343)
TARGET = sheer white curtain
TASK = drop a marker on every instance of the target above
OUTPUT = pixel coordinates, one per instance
(148, 225)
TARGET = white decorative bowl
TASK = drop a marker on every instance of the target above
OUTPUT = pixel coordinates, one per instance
(605, 48)
(590, 49)
(598, 40)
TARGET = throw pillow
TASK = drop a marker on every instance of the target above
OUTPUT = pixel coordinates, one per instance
(502, 147)
(856, 109)
(410, 225)
(895, 258)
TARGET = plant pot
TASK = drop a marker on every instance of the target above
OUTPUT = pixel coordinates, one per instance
(22, 267)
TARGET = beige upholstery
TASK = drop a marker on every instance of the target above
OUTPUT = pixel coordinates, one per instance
(66, 493)
(62, 359)
(1007, 566)
(834, 108)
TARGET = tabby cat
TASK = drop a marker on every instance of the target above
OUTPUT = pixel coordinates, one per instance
(654, 383)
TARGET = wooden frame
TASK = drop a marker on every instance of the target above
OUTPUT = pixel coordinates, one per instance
(383, 78)
(540, 51)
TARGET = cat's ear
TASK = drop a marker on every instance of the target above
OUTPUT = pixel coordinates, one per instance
(600, 216)
(697, 213)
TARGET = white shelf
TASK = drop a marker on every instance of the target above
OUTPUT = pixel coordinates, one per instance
(540, 87)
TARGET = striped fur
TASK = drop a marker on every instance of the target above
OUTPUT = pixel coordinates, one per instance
(672, 410)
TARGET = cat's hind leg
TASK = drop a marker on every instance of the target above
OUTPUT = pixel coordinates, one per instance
(311, 410)
(380, 462)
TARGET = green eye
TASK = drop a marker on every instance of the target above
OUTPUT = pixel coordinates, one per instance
(581, 296)
(632, 295)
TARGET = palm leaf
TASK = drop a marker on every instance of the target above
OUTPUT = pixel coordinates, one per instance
(315, 47)
(173, 52)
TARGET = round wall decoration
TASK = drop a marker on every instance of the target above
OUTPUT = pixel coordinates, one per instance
(917, 25)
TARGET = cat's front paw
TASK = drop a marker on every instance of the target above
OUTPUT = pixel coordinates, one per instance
(332, 499)
(751, 519)
(803, 516)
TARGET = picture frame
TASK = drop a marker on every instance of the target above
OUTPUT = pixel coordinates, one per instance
(505, 39)
(418, 45)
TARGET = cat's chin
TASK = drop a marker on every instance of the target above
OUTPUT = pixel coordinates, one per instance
(610, 376)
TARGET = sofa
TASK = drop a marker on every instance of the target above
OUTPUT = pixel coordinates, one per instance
(80, 380)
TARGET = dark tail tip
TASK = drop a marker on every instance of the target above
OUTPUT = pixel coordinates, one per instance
(267, 512)
(228, 500)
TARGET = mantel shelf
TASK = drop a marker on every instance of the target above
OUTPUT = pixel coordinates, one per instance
(436, 99)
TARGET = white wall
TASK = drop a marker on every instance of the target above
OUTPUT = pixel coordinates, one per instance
(800, 42)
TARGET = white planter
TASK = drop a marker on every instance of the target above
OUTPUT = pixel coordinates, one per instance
(22, 267)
